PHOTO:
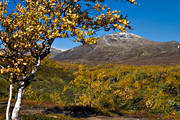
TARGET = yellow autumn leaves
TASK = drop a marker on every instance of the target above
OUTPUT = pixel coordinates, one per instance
(15, 67)
(148, 88)
(132, 1)
(33, 26)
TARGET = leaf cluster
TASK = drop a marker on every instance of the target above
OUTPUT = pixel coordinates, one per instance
(27, 33)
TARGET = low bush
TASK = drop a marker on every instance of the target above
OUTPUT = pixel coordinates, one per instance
(115, 87)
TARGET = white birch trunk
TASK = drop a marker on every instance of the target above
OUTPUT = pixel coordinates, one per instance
(16, 110)
(9, 102)
(20, 91)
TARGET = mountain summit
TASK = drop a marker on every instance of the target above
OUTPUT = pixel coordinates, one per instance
(124, 48)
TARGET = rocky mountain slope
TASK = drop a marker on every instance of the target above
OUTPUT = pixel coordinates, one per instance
(54, 52)
(125, 48)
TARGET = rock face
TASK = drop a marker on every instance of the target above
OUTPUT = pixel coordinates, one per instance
(125, 48)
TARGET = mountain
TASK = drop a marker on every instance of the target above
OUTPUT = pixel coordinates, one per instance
(124, 48)
(55, 52)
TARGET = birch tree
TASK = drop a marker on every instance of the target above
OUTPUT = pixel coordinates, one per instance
(27, 33)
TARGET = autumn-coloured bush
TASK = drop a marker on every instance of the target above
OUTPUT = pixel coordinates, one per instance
(109, 87)
(114, 87)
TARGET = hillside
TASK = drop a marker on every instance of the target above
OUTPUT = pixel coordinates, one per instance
(54, 52)
(124, 48)
(62, 89)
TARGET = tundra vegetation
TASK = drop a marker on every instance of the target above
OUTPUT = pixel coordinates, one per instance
(28, 32)
(125, 89)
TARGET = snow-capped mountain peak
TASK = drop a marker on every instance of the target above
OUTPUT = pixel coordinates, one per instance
(123, 35)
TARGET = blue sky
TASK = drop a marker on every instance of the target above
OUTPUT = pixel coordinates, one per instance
(157, 20)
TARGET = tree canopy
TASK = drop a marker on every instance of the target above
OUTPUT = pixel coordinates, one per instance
(27, 33)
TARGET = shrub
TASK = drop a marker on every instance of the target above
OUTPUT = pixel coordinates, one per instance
(115, 87)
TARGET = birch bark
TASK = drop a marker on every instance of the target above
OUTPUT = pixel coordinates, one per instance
(20, 91)
(16, 110)
(9, 102)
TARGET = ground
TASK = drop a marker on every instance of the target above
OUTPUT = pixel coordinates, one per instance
(49, 111)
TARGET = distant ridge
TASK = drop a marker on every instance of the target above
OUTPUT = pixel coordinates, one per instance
(124, 48)
(55, 52)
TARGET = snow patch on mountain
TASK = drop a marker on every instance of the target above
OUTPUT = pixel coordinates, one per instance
(58, 49)
(118, 38)
(123, 35)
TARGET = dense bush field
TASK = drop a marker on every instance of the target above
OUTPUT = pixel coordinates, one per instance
(154, 89)
(115, 87)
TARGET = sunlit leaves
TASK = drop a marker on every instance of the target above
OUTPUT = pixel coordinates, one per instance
(151, 88)
(133, 1)
(28, 32)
